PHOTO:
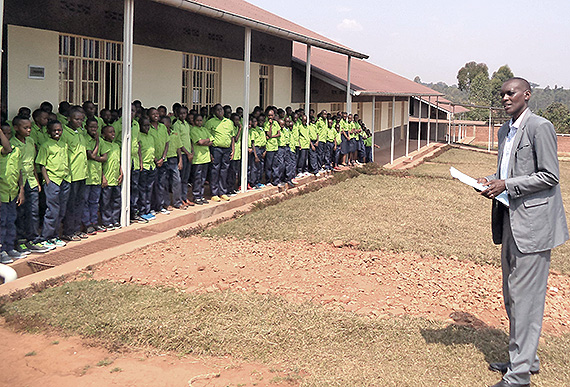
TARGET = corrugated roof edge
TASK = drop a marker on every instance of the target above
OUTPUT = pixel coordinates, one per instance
(257, 25)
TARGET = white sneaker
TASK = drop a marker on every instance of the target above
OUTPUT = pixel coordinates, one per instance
(164, 211)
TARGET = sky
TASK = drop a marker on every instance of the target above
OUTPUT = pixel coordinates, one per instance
(434, 39)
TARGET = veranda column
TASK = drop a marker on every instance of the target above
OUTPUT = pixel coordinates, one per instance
(245, 120)
(408, 130)
(393, 128)
(373, 124)
(348, 95)
(308, 82)
(126, 115)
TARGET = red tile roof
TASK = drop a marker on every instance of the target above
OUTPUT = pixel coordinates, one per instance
(365, 76)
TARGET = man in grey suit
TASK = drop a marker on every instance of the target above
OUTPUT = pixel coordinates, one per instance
(532, 224)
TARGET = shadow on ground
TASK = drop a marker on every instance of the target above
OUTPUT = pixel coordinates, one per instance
(468, 329)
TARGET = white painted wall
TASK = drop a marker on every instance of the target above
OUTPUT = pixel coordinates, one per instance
(232, 83)
(30, 46)
(282, 86)
(157, 76)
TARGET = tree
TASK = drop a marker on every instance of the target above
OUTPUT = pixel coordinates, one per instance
(559, 115)
(417, 79)
(467, 74)
(499, 77)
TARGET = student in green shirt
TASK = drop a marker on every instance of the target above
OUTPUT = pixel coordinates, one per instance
(201, 142)
(322, 131)
(77, 153)
(278, 172)
(360, 135)
(173, 167)
(253, 158)
(147, 169)
(92, 192)
(111, 180)
(329, 148)
(28, 221)
(272, 132)
(63, 111)
(39, 127)
(234, 172)
(304, 145)
(54, 161)
(289, 157)
(313, 150)
(161, 144)
(221, 129)
(182, 127)
(11, 194)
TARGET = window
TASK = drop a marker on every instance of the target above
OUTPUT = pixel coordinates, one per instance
(265, 85)
(90, 70)
(378, 116)
(200, 81)
(336, 107)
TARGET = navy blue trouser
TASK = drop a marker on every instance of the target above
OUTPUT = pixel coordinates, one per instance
(368, 151)
(302, 155)
(173, 176)
(260, 167)
(8, 214)
(329, 154)
(185, 177)
(252, 169)
(135, 192)
(234, 175)
(159, 189)
(57, 197)
(361, 150)
(314, 159)
(279, 165)
(146, 186)
(28, 219)
(269, 160)
(75, 207)
(200, 173)
(91, 196)
(321, 150)
(220, 167)
(290, 165)
(111, 205)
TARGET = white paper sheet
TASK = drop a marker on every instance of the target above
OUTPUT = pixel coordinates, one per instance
(503, 197)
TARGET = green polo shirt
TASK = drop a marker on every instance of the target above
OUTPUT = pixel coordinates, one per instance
(331, 134)
(175, 143)
(260, 138)
(220, 131)
(272, 143)
(285, 138)
(237, 145)
(183, 129)
(201, 152)
(28, 157)
(338, 138)
(367, 140)
(10, 166)
(313, 134)
(135, 130)
(161, 137)
(40, 135)
(77, 152)
(111, 167)
(146, 142)
(251, 137)
(94, 168)
(322, 129)
(53, 155)
(303, 136)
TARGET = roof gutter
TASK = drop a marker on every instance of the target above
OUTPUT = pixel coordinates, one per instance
(382, 93)
(206, 10)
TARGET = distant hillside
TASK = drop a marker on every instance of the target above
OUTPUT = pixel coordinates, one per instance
(540, 100)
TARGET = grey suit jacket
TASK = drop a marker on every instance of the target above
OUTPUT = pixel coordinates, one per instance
(536, 212)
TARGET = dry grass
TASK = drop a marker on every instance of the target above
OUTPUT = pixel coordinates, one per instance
(426, 212)
(320, 347)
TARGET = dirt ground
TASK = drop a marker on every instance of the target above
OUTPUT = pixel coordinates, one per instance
(380, 284)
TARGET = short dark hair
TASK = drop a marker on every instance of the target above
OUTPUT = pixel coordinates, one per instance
(51, 124)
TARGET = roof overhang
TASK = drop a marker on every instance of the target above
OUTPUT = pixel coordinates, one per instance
(209, 11)
(403, 94)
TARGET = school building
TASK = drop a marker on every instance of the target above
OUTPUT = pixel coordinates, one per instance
(200, 53)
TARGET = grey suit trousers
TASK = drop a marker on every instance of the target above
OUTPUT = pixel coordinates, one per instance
(524, 290)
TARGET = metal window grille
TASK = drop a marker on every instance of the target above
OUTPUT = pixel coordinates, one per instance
(265, 85)
(200, 81)
(90, 70)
